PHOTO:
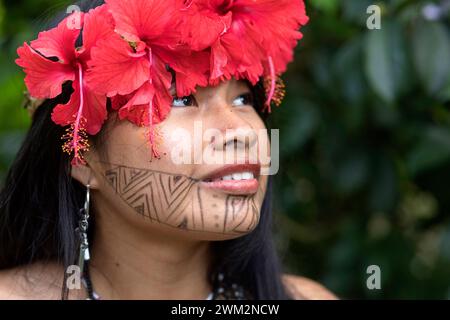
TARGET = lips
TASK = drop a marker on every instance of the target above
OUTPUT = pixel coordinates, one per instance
(234, 179)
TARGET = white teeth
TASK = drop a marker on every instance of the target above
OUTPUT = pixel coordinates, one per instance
(239, 176)
(247, 175)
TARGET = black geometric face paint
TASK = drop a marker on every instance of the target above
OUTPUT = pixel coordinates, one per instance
(179, 201)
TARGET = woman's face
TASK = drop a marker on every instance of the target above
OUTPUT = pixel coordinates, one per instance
(212, 191)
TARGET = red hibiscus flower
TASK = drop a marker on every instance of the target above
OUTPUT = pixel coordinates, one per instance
(53, 59)
(248, 38)
(134, 49)
(132, 63)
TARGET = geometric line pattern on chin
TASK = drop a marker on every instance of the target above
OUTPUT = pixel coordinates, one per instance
(152, 192)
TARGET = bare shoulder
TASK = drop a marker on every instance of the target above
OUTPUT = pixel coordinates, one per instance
(304, 288)
(38, 281)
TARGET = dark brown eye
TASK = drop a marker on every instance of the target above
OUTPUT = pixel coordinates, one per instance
(244, 100)
(188, 101)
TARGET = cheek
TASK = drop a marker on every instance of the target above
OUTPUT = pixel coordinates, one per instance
(129, 145)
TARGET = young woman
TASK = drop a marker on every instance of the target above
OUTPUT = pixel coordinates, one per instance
(116, 82)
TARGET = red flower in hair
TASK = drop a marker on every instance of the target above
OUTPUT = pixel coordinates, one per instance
(133, 63)
(134, 49)
(53, 59)
(248, 38)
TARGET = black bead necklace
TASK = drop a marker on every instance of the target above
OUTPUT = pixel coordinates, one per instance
(221, 291)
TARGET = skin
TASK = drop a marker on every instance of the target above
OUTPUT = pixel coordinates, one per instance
(169, 198)
(155, 219)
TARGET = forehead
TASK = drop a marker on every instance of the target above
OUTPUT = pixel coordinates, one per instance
(225, 86)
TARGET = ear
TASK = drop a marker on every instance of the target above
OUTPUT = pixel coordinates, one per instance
(84, 174)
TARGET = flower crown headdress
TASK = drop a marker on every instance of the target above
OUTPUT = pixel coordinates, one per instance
(131, 50)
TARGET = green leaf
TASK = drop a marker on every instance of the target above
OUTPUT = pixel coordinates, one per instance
(9, 145)
(386, 61)
(351, 171)
(12, 115)
(347, 67)
(431, 53)
(356, 11)
(432, 150)
(444, 94)
(383, 191)
(300, 126)
(328, 6)
(351, 83)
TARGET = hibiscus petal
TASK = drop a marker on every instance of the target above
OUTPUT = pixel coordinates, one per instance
(245, 55)
(281, 20)
(142, 110)
(191, 68)
(94, 110)
(60, 41)
(119, 101)
(98, 24)
(155, 94)
(257, 30)
(115, 69)
(202, 26)
(136, 109)
(44, 78)
(219, 60)
(163, 98)
(143, 19)
(75, 139)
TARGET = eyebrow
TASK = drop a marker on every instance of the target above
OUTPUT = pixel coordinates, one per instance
(245, 82)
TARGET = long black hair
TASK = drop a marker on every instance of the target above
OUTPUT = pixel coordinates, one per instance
(40, 202)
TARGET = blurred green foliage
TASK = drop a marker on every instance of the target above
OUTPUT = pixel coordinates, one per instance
(365, 143)
(19, 21)
(365, 139)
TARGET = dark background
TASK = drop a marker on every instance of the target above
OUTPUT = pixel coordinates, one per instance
(365, 142)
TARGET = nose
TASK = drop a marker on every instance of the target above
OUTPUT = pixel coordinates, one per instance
(239, 138)
(236, 133)
(232, 127)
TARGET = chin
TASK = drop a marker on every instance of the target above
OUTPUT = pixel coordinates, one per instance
(207, 233)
